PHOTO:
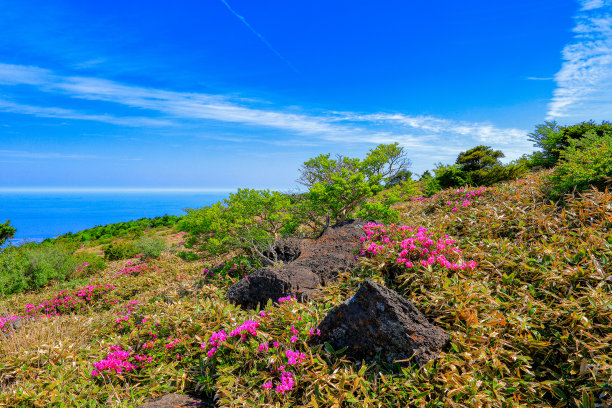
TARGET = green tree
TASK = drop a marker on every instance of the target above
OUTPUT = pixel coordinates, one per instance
(338, 187)
(552, 139)
(448, 176)
(586, 162)
(399, 178)
(6, 231)
(482, 167)
(249, 220)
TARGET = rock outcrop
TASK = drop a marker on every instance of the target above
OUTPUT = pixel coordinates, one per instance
(313, 263)
(379, 324)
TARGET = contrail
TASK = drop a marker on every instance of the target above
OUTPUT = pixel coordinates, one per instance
(261, 37)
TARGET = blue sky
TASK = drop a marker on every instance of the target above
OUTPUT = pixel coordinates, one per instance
(220, 94)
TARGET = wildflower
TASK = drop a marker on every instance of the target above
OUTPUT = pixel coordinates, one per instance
(286, 383)
(314, 332)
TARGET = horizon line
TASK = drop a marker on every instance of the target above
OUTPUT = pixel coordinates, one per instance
(116, 190)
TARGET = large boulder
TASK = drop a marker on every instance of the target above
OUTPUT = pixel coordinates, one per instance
(379, 324)
(312, 263)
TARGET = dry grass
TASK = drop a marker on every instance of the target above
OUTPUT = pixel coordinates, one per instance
(530, 327)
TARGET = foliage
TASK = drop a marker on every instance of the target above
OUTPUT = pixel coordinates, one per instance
(337, 188)
(429, 184)
(233, 269)
(448, 176)
(108, 232)
(478, 166)
(31, 266)
(120, 250)
(400, 177)
(553, 138)
(150, 246)
(249, 220)
(6, 231)
(530, 324)
(586, 162)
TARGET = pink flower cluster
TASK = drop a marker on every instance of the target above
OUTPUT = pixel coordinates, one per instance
(314, 332)
(215, 342)
(69, 301)
(466, 200)
(424, 199)
(285, 299)
(286, 383)
(411, 248)
(294, 357)
(246, 328)
(135, 270)
(115, 362)
(7, 319)
(171, 343)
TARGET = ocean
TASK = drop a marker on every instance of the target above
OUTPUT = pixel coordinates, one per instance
(38, 216)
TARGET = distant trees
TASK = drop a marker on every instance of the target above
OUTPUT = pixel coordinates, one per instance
(478, 166)
(552, 139)
(6, 231)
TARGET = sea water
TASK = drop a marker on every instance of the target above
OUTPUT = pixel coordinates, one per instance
(37, 216)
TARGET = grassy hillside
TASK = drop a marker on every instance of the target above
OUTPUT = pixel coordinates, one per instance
(530, 318)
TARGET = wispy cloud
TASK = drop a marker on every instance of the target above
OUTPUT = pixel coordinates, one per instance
(261, 37)
(42, 155)
(160, 108)
(540, 78)
(60, 113)
(584, 83)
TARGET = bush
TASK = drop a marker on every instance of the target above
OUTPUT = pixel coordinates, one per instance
(585, 163)
(338, 188)
(552, 139)
(6, 232)
(31, 266)
(120, 250)
(250, 220)
(150, 247)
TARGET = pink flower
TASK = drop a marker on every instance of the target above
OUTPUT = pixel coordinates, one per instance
(286, 384)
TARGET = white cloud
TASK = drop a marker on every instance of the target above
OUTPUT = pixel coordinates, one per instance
(42, 155)
(166, 108)
(584, 83)
(60, 113)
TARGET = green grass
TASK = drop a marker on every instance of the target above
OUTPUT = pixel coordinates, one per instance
(531, 326)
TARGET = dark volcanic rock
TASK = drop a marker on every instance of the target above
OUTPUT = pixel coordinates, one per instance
(379, 323)
(178, 401)
(314, 263)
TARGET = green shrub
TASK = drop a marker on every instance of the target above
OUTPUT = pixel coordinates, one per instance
(449, 176)
(150, 247)
(552, 139)
(584, 163)
(120, 250)
(249, 220)
(6, 232)
(106, 233)
(31, 266)
(338, 188)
